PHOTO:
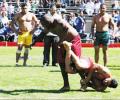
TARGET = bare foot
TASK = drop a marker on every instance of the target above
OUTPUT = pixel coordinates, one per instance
(67, 45)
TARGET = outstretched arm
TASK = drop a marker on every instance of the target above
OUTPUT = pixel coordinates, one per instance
(36, 23)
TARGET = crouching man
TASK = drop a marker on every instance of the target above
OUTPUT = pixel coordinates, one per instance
(96, 76)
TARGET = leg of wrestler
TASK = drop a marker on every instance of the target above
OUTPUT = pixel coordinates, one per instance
(26, 55)
(61, 59)
(96, 56)
(18, 53)
(66, 86)
(20, 43)
(27, 43)
(105, 48)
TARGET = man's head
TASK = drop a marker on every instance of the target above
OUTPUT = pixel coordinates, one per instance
(103, 8)
(113, 83)
(46, 22)
(3, 13)
(53, 9)
(110, 82)
(24, 8)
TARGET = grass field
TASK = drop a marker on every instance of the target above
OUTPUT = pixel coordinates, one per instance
(37, 82)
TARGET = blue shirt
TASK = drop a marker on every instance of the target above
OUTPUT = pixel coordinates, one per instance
(79, 24)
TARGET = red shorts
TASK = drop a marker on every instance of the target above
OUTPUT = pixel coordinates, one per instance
(76, 48)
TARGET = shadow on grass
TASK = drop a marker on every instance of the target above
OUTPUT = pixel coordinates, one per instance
(21, 66)
(114, 67)
(24, 91)
(55, 71)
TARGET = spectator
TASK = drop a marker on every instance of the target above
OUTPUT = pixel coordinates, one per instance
(63, 15)
(115, 4)
(10, 11)
(77, 2)
(117, 33)
(89, 7)
(82, 5)
(29, 5)
(102, 1)
(115, 16)
(79, 25)
(17, 6)
(51, 40)
(34, 6)
(45, 3)
(71, 18)
(4, 24)
(96, 6)
(4, 6)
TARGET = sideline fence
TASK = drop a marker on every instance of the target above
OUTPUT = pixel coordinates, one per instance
(41, 44)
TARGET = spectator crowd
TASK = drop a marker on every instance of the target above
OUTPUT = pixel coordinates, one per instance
(77, 18)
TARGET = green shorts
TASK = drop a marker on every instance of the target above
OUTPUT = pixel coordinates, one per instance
(102, 38)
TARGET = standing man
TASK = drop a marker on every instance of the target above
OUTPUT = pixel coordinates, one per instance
(65, 32)
(101, 22)
(51, 40)
(27, 23)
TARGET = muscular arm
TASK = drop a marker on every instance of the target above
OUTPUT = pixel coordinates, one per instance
(36, 22)
(112, 24)
(93, 27)
(13, 22)
(68, 68)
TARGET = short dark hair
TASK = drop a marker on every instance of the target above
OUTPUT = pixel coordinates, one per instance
(23, 5)
(102, 5)
(113, 83)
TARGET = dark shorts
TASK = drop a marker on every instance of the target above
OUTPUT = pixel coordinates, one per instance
(102, 38)
(76, 48)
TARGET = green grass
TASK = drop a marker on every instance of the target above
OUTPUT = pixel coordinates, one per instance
(36, 82)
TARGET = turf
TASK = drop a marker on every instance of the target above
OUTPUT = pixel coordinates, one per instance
(37, 82)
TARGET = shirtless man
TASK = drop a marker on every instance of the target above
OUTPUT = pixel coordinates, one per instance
(96, 75)
(65, 32)
(27, 23)
(101, 22)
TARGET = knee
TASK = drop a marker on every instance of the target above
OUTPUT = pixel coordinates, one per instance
(26, 51)
(18, 51)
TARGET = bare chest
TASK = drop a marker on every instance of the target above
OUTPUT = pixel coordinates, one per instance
(25, 18)
(102, 20)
